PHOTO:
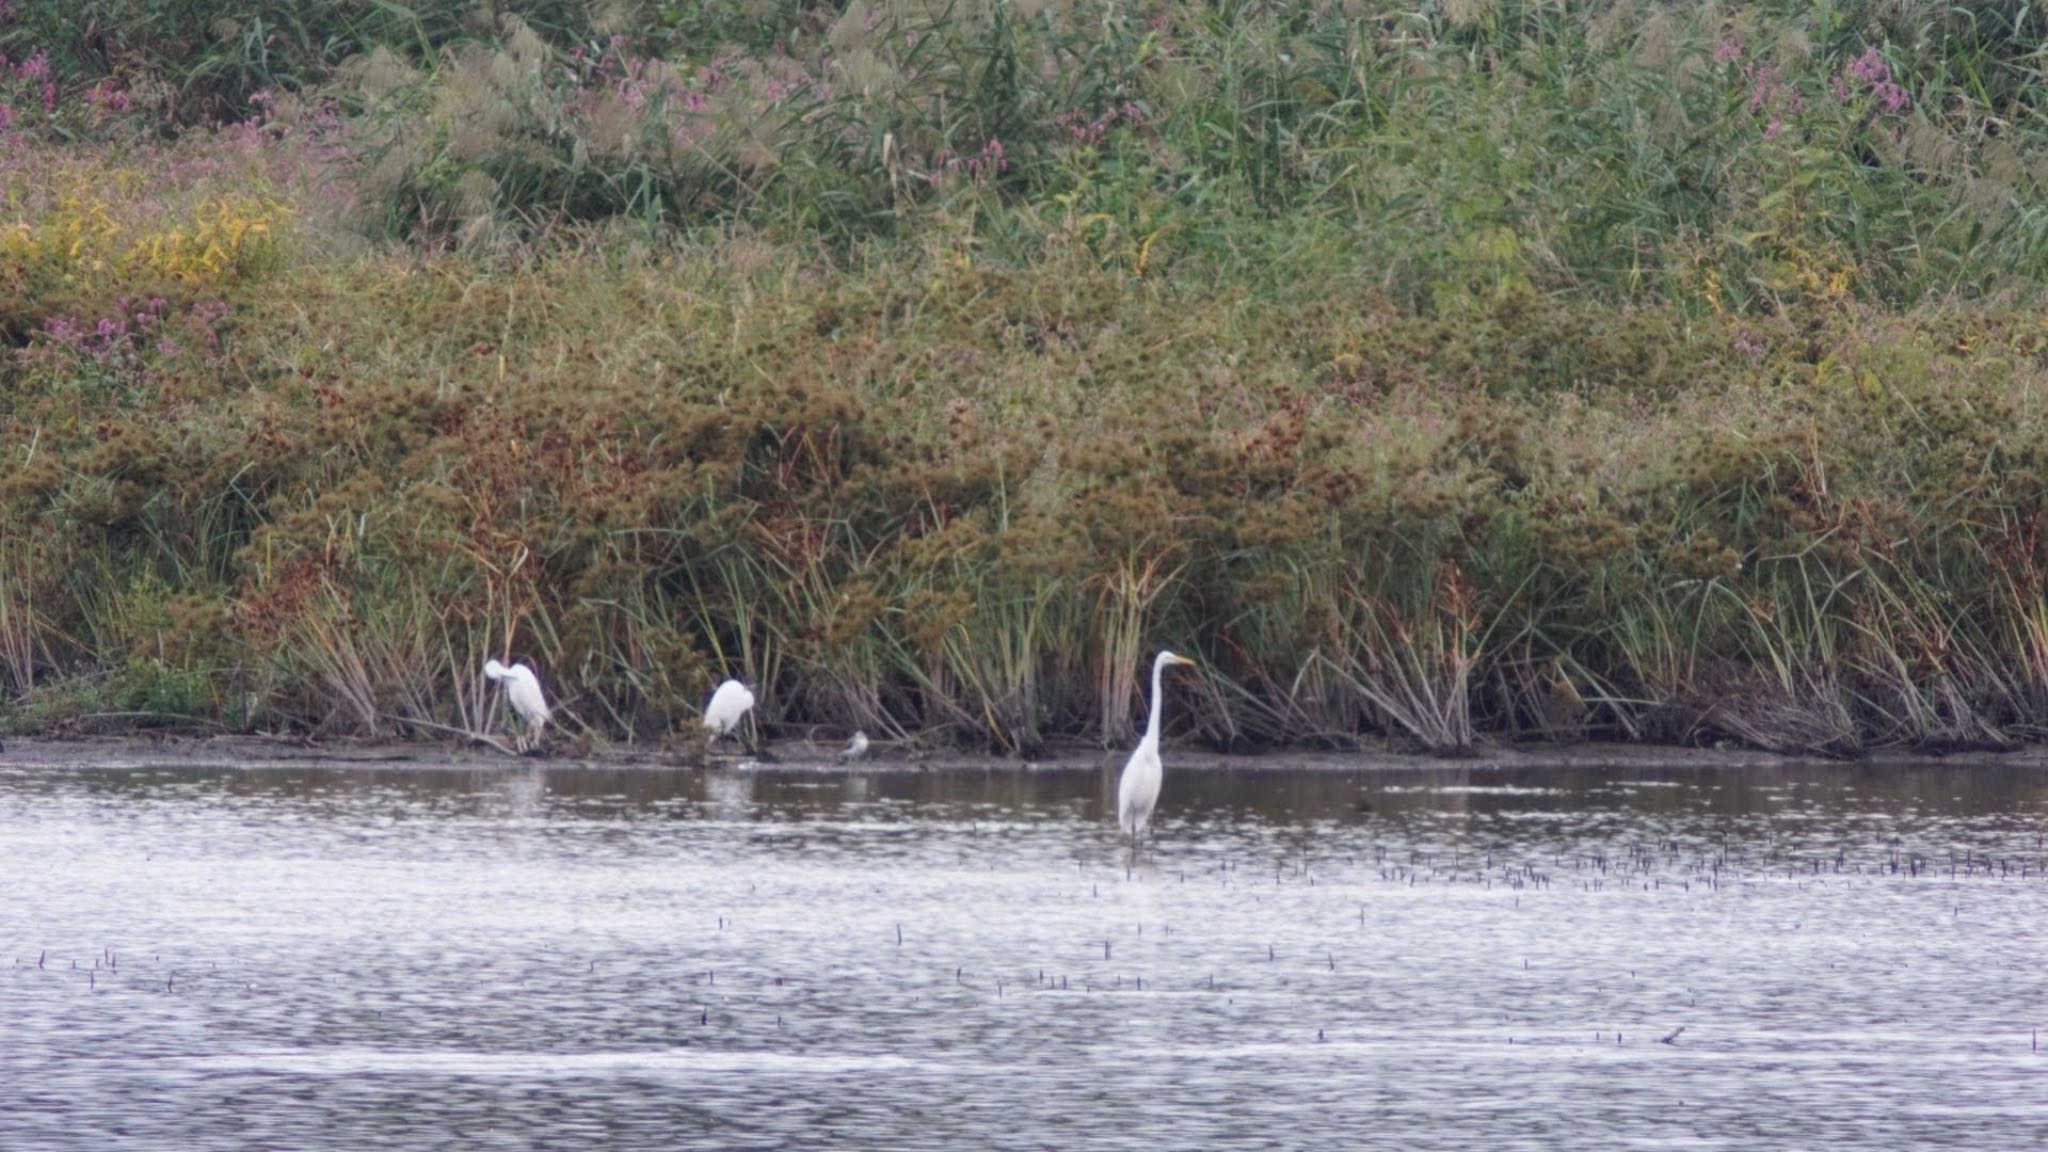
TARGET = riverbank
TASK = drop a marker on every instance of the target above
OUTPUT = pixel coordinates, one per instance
(856, 490)
(802, 757)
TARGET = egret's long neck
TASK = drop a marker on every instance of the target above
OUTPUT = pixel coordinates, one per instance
(1152, 722)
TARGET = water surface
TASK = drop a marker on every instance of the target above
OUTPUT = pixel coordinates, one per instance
(1448, 957)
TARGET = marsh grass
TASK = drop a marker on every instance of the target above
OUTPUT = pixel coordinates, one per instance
(21, 649)
(573, 462)
(1428, 375)
(1747, 159)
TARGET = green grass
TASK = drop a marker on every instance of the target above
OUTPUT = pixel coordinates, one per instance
(1430, 375)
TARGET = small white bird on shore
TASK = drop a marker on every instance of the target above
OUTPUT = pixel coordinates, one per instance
(1138, 792)
(522, 690)
(729, 705)
(856, 747)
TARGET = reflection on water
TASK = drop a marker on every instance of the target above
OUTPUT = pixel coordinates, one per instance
(1448, 957)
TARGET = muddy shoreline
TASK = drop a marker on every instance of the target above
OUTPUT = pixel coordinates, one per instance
(251, 752)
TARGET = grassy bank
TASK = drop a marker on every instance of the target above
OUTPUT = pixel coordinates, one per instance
(1494, 371)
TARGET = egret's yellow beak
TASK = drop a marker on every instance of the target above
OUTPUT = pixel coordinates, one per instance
(1179, 659)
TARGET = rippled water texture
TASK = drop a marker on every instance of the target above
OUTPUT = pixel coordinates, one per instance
(1442, 958)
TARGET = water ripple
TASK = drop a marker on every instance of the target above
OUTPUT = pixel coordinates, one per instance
(1447, 958)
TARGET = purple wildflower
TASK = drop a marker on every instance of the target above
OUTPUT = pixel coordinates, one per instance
(1871, 67)
(107, 96)
(65, 331)
(1763, 86)
(1875, 73)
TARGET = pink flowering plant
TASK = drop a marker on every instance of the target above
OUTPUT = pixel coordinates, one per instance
(29, 98)
(1869, 77)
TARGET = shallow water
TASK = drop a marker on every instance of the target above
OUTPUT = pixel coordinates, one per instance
(1445, 958)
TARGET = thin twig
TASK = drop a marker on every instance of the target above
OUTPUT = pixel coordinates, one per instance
(180, 717)
(476, 737)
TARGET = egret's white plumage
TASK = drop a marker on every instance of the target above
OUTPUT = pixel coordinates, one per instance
(856, 747)
(728, 706)
(522, 690)
(1138, 792)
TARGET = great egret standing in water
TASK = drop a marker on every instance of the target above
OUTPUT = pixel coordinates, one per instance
(522, 689)
(856, 747)
(1138, 793)
(729, 705)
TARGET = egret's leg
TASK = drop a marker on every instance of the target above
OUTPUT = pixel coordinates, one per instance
(753, 743)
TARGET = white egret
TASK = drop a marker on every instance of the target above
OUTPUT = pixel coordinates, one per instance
(856, 747)
(728, 706)
(1138, 792)
(522, 689)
